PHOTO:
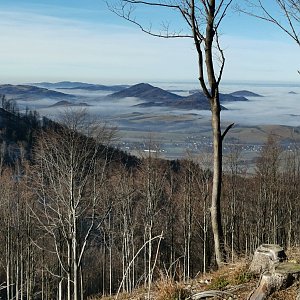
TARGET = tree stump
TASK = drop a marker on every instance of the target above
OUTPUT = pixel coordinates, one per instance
(266, 257)
(277, 274)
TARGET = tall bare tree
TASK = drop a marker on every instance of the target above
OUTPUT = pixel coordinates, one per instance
(70, 169)
(202, 20)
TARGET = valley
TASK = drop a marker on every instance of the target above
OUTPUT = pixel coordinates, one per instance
(174, 117)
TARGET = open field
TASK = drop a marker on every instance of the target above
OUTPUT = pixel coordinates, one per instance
(178, 136)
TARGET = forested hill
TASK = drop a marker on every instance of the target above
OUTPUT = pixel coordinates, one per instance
(16, 127)
(21, 130)
(124, 214)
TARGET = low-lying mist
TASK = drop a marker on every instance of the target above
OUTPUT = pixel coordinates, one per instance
(279, 104)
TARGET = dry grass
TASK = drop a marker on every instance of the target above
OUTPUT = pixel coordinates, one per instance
(287, 294)
(138, 294)
(168, 289)
(293, 254)
(233, 278)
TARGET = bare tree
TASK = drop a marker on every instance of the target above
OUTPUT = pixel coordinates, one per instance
(268, 172)
(153, 182)
(70, 170)
(234, 171)
(285, 14)
(202, 20)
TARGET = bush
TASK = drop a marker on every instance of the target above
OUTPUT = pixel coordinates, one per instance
(244, 277)
(219, 283)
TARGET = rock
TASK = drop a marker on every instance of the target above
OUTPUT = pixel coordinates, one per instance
(266, 257)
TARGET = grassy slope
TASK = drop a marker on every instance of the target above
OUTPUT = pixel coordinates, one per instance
(233, 278)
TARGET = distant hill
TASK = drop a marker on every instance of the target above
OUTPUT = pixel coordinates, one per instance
(79, 85)
(196, 101)
(145, 91)
(68, 103)
(231, 97)
(58, 85)
(200, 97)
(29, 92)
(98, 87)
(160, 98)
(239, 95)
(245, 93)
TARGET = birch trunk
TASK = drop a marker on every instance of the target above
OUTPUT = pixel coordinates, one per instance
(216, 219)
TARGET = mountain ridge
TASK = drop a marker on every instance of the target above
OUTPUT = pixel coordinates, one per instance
(72, 85)
(145, 91)
(157, 97)
(22, 91)
(64, 103)
(245, 93)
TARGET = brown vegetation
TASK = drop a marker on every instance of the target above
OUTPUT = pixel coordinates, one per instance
(102, 225)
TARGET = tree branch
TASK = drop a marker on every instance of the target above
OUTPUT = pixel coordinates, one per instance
(226, 130)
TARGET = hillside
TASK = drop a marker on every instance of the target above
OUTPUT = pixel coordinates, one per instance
(179, 189)
(29, 92)
(223, 97)
(17, 131)
(245, 93)
(79, 85)
(232, 281)
(64, 103)
(157, 97)
(199, 101)
(145, 91)
(22, 129)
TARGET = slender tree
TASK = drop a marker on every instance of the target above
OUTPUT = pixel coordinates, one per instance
(202, 19)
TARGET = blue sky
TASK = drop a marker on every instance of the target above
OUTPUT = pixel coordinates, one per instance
(52, 40)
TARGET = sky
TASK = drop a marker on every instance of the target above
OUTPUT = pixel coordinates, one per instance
(82, 40)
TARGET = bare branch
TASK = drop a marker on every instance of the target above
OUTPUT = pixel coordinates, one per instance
(222, 58)
(125, 12)
(223, 12)
(226, 130)
(133, 259)
(290, 10)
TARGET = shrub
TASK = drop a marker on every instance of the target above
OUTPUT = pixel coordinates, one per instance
(243, 277)
(219, 283)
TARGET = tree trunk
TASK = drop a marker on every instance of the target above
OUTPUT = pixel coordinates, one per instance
(75, 259)
(8, 253)
(60, 289)
(217, 181)
(69, 271)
